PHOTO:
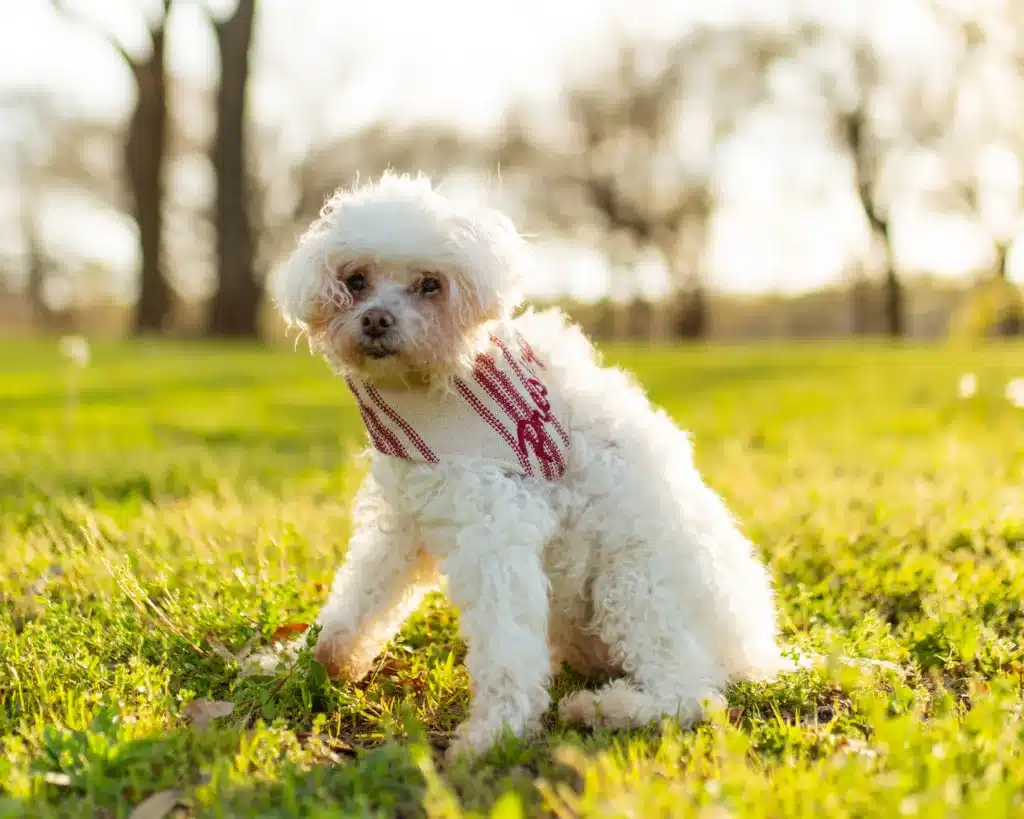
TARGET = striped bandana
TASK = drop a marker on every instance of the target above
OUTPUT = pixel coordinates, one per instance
(502, 413)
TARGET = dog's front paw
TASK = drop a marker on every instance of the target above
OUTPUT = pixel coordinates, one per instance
(479, 734)
(473, 738)
(464, 748)
(335, 653)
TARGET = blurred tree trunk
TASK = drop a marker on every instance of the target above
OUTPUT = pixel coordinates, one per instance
(895, 324)
(145, 154)
(145, 151)
(235, 310)
(35, 264)
(692, 315)
(862, 154)
(36, 267)
(604, 323)
(860, 304)
(892, 287)
(1011, 322)
(1000, 266)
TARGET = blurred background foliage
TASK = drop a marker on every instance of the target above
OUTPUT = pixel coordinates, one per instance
(727, 170)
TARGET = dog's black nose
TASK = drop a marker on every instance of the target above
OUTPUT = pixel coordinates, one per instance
(377, 321)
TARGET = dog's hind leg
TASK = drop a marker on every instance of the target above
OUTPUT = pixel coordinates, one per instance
(670, 672)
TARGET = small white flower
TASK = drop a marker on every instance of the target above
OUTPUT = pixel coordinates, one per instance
(1015, 392)
(968, 385)
(75, 349)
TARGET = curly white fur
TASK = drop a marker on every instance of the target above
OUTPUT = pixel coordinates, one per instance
(628, 565)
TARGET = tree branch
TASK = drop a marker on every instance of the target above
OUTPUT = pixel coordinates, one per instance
(69, 13)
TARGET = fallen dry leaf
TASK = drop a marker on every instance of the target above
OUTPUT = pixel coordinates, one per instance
(158, 805)
(287, 631)
(393, 665)
(202, 712)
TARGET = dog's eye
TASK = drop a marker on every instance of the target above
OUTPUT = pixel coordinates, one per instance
(355, 282)
(429, 285)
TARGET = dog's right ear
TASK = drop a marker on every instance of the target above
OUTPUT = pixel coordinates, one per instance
(294, 287)
(306, 288)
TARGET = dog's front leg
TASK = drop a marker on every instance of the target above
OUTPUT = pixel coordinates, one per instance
(500, 589)
(492, 563)
(384, 577)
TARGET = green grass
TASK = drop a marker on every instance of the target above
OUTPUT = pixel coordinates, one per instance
(204, 491)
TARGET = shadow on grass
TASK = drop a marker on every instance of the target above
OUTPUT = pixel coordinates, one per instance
(211, 779)
(149, 387)
(231, 771)
(328, 429)
(387, 780)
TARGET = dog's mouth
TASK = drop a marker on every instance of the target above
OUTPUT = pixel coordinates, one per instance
(377, 348)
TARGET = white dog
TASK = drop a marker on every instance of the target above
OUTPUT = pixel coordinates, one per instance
(564, 510)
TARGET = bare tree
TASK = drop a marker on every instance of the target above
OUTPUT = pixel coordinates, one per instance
(620, 169)
(32, 115)
(144, 161)
(854, 130)
(980, 128)
(996, 129)
(32, 248)
(235, 309)
(263, 196)
(289, 189)
(852, 103)
(880, 114)
(53, 155)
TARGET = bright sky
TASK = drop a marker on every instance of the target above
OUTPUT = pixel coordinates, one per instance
(345, 63)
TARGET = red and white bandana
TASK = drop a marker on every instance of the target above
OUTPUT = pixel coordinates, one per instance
(502, 413)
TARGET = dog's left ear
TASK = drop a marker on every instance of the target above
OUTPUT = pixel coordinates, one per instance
(493, 257)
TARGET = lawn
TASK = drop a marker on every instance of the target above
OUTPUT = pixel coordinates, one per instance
(193, 503)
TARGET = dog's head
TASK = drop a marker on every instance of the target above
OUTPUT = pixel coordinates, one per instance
(396, 279)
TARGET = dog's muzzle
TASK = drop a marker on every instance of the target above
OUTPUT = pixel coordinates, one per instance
(377, 325)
